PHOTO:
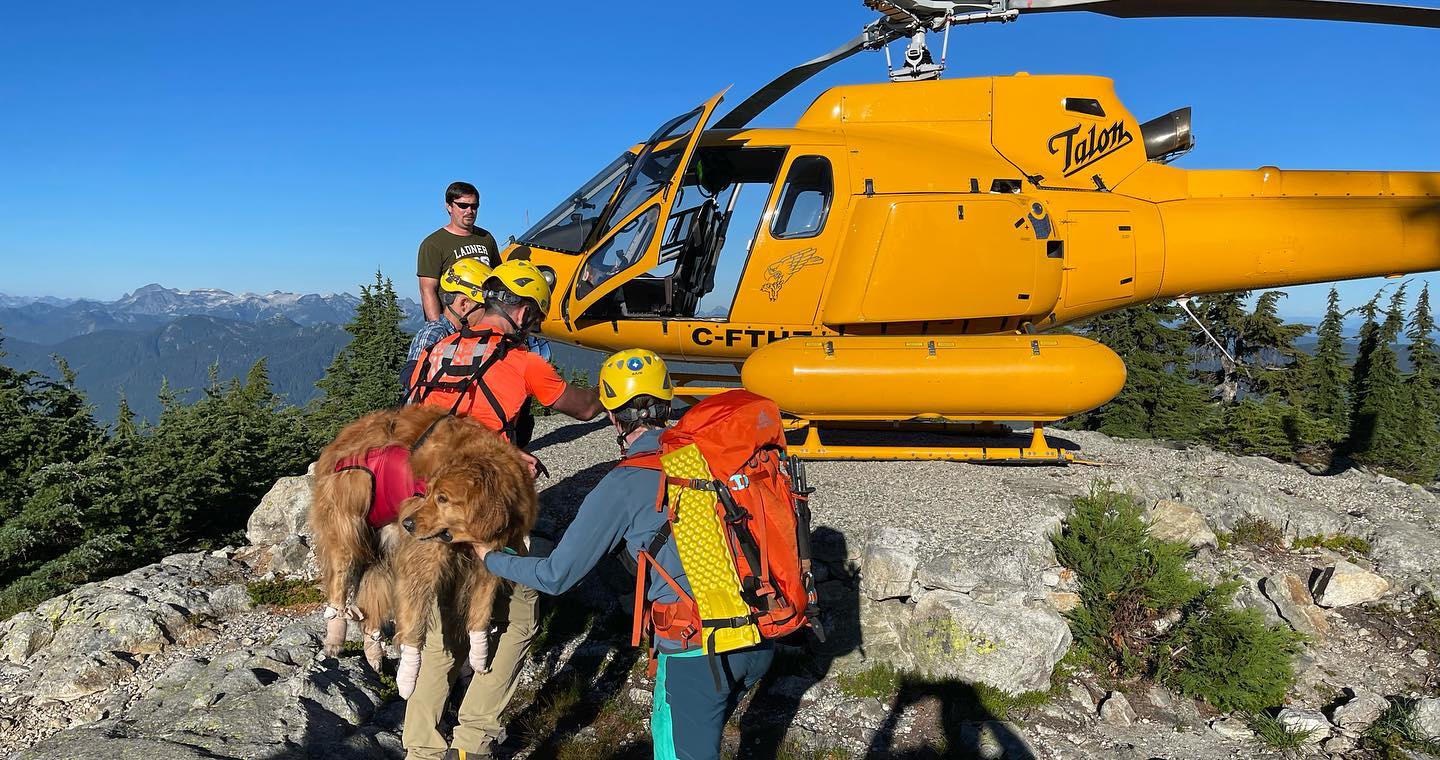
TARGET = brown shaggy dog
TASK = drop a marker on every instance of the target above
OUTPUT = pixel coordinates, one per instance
(478, 490)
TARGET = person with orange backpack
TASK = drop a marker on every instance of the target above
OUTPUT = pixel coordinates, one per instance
(714, 515)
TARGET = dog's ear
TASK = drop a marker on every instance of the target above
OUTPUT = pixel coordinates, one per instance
(410, 506)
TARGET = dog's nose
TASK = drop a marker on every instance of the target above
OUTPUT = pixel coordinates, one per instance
(409, 524)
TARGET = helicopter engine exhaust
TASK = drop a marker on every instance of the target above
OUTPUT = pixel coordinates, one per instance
(1168, 136)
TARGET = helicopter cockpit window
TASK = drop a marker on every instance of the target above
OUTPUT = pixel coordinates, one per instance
(568, 227)
(805, 200)
(706, 240)
(658, 162)
(618, 253)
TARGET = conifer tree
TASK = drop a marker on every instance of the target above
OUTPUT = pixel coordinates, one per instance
(1266, 347)
(1156, 400)
(112, 503)
(1369, 337)
(1383, 408)
(1423, 387)
(1327, 377)
(365, 375)
(1422, 352)
(42, 421)
(1253, 426)
(1223, 314)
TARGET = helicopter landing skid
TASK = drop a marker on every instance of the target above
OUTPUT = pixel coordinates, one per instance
(1039, 451)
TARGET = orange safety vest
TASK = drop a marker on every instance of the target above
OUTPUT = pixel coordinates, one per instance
(453, 371)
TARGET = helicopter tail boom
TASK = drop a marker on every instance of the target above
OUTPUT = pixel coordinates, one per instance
(1244, 230)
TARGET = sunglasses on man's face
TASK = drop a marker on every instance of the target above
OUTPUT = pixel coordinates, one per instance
(466, 206)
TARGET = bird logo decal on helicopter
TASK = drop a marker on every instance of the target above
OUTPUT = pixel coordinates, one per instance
(1095, 145)
(779, 273)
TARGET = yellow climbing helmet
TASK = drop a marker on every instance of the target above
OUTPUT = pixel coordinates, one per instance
(520, 280)
(633, 372)
(466, 277)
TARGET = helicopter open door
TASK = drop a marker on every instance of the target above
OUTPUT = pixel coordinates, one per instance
(633, 223)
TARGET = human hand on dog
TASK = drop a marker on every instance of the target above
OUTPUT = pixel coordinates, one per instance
(533, 463)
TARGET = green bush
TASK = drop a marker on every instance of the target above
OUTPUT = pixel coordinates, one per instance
(283, 592)
(1340, 542)
(1257, 532)
(1228, 657)
(1128, 580)
(1395, 736)
(1272, 733)
(1143, 614)
(881, 681)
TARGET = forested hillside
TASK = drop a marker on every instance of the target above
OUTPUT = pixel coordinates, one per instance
(82, 499)
(109, 364)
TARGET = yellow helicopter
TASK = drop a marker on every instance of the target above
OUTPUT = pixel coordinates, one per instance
(897, 255)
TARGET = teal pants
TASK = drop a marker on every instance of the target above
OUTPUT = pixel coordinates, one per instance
(689, 712)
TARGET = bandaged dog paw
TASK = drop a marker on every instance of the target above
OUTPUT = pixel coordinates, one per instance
(334, 631)
(408, 672)
(480, 651)
(374, 651)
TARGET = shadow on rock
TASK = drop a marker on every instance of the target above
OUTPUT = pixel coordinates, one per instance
(969, 728)
(804, 660)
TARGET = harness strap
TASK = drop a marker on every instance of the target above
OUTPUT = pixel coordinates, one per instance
(374, 485)
(642, 617)
(414, 447)
(429, 382)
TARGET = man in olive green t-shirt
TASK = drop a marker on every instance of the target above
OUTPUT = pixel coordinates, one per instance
(457, 240)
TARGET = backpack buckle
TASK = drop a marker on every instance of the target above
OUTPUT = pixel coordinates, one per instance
(739, 481)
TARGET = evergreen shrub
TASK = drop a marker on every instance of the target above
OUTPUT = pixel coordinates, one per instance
(1144, 615)
(283, 592)
(1257, 532)
(1340, 542)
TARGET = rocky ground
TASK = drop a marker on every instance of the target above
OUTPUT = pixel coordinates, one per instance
(934, 568)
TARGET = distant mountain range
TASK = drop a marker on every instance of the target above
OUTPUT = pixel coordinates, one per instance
(157, 333)
(49, 321)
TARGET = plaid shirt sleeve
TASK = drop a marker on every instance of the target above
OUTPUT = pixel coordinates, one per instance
(428, 335)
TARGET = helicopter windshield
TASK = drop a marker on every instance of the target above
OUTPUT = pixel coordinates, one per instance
(658, 162)
(568, 227)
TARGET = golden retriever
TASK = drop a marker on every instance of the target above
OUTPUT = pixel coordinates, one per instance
(476, 489)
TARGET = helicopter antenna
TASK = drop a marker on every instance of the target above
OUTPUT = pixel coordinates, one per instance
(1184, 303)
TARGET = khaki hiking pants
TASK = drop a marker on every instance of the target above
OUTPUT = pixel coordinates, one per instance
(488, 693)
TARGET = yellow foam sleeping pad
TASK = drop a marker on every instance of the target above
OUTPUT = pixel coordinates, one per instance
(704, 552)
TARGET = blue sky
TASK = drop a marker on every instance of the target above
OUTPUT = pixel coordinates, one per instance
(295, 146)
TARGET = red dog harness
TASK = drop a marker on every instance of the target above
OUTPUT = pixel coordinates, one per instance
(391, 481)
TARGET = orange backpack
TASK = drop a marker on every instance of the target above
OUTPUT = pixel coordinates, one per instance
(764, 507)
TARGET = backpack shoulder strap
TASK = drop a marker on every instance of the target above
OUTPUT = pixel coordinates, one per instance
(645, 460)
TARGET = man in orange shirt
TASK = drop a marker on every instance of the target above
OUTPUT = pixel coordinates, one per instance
(485, 371)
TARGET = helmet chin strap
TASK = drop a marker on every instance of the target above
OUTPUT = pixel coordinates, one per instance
(463, 319)
(521, 331)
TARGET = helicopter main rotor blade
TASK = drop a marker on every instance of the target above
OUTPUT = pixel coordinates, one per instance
(761, 99)
(1324, 10)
